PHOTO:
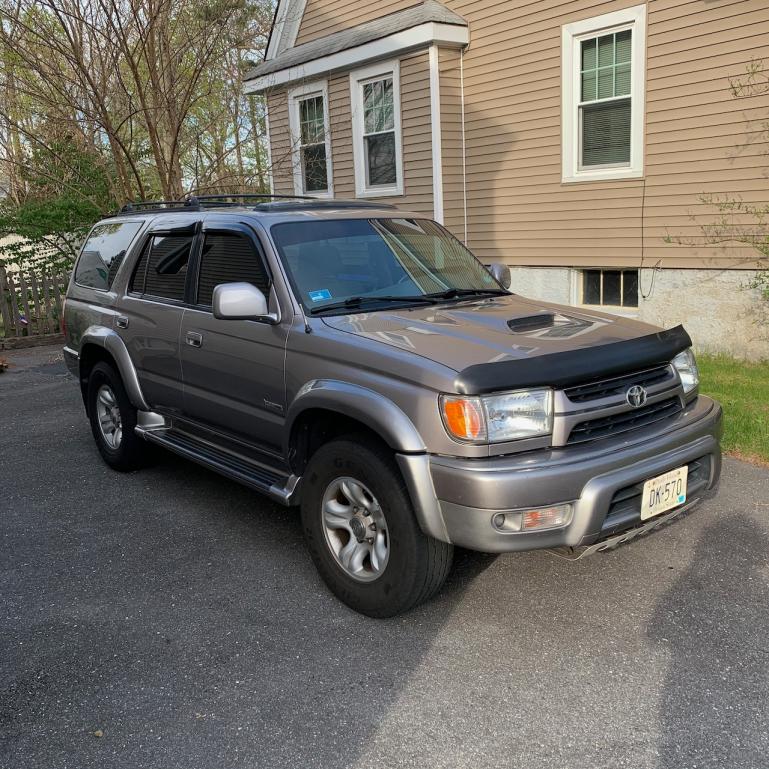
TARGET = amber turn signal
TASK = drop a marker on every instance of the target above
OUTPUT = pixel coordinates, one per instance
(463, 418)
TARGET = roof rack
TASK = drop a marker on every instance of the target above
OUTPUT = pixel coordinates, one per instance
(267, 202)
(194, 202)
(147, 205)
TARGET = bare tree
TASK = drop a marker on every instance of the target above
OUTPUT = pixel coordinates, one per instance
(152, 86)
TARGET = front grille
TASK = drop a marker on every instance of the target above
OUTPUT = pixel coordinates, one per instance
(618, 385)
(625, 506)
(615, 424)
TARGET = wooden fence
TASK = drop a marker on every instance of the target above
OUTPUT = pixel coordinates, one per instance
(31, 303)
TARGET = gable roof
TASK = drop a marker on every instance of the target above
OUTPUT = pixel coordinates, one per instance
(285, 27)
(429, 11)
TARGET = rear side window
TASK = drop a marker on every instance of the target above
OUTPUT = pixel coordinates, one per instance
(229, 258)
(103, 254)
(162, 268)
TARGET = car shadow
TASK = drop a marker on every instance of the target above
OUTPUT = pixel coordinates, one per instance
(715, 623)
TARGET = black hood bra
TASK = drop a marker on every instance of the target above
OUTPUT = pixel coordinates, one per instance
(563, 369)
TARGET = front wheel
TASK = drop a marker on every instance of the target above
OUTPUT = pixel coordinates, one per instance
(362, 533)
(113, 419)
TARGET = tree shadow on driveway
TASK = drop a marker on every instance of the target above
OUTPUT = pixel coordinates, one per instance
(715, 623)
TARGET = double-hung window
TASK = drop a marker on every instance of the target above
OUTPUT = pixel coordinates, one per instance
(376, 116)
(310, 140)
(603, 96)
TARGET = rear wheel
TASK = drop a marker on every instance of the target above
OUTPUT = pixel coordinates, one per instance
(113, 419)
(362, 533)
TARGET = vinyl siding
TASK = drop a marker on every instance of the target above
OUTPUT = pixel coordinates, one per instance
(416, 137)
(324, 17)
(698, 138)
(280, 143)
(695, 136)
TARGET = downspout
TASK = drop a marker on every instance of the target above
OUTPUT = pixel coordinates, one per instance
(435, 120)
(464, 153)
(269, 142)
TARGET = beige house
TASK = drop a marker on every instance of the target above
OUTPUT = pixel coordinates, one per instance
(568, 138)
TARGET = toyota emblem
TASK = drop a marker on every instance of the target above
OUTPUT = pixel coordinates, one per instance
(636, 396)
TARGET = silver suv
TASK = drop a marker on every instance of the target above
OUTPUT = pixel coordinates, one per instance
(360, 362)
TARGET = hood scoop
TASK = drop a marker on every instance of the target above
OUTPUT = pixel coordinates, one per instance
(531, 322)
(550, 325)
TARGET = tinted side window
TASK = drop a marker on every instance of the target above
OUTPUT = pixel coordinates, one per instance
(103, 253)
(162, 268)
(229, 258)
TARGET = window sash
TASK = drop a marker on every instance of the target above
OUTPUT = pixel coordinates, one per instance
(615, 145)
(381, 103)
(313, 122)
(609, 147)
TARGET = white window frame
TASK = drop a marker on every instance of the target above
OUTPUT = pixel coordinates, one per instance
(358, 79)
(295, 96)
(572, 36)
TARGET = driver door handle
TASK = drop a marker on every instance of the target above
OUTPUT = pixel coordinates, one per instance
(194, 339)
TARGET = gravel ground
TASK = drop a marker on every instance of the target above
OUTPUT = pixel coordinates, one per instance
(171, 619)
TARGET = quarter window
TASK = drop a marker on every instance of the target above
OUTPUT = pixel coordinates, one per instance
(103, 253)
(229, 258)
(603, 96)
(613, 288)
(375, 94)
(311, 141)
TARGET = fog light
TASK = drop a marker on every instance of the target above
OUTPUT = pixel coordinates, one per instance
(507, 521)
(546, 517)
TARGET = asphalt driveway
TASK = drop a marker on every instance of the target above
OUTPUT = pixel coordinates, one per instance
(177, 615)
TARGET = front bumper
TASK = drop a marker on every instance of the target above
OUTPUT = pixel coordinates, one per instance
(470, 492)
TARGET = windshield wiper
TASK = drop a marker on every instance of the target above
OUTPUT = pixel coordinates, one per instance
(356, 301)
(456, 293)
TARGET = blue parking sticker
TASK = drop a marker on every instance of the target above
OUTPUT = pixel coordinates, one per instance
(319, 295)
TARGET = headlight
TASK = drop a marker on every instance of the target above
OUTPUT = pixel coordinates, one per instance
(497, 418)
(686, 367)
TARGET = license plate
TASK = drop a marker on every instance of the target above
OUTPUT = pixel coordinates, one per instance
(664, 492)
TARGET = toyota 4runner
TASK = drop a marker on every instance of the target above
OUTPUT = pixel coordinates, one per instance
(360, 362)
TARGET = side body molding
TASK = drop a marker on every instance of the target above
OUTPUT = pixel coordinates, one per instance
(393, 425)
(114, 345)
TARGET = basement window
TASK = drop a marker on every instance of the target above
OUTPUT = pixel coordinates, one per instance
(610, 288)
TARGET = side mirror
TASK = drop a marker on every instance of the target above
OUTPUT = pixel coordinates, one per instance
(501, 273)
(241, 301)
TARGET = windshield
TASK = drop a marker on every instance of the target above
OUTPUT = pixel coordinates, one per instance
(375, 262)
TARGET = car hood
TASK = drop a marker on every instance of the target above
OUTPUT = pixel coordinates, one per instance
(467, 333)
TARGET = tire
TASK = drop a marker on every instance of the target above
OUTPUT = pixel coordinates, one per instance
(128, 452)
(415, 566)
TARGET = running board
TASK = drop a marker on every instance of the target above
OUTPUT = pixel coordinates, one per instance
(279, 487)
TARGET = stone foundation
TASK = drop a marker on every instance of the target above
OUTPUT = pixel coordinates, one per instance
(720, 312)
